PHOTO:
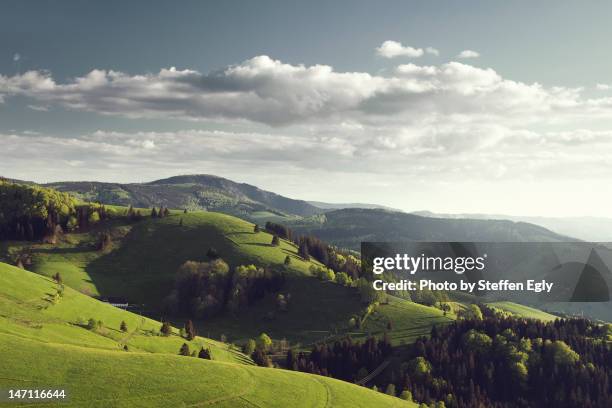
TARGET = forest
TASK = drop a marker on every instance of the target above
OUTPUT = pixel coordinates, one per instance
(510, 362)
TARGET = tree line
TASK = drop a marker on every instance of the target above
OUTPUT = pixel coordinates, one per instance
(311, 246)
(505, 362)
(345, 360)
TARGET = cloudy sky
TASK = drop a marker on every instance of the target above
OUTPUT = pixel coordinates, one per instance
(447, 106)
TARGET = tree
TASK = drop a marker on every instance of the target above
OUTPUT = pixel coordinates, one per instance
(123, 327)
(249, 347)
(91, 324)
(287, 260)
(94, 217)
(256, 229)
(561, 353)
(275, 240)
(264, 342)
(303, 251)
(190, 330)
(57, 278)
(153, 213)
(166, 329)
(205, 354)
(406, 395)
(390, 390)
(185, 211)
(184, 351)
(343, 279)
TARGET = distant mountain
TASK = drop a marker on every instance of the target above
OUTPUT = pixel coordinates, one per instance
(194, 192)
(349, 227)
(340, 206)
(595, 229)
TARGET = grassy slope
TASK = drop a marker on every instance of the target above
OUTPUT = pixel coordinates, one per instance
(27, 312)
(409, 320)
(41, 347)
(142, 265)
(523, 311)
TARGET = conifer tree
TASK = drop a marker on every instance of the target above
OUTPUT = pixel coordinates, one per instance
(166, 329)
(184, 351)
(190, 330)
(123, 326)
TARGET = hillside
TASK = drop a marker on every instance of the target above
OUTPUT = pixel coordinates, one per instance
(349, 227)
(194, 192)
(141, 267)
(522, 311)
(42, 345)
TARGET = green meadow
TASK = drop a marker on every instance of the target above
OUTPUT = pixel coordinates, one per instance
(44, 345)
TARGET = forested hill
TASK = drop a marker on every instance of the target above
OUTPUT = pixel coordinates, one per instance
(194, 192)
(349, 227)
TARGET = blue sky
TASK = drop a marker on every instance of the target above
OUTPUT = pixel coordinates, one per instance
(302, 98)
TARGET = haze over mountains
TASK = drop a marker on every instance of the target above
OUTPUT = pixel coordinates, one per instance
(213, 193)
(596, 229)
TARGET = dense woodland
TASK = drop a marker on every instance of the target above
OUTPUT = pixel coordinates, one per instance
(204, 289)
(509, 362)
(345, 360)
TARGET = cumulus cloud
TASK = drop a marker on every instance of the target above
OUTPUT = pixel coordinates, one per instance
(392, 49)
(270, 92)
(468, 54)
(448, 123)
(603, 87)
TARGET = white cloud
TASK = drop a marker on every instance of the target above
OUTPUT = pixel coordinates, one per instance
(432, 51)
(39, 108)
(603, 87)
(271, 92)
(392, 49)
(450, 123)
(16, 57)
(468, 54)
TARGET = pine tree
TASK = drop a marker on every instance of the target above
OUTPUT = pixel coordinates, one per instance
(153, 213)
(303, 251)
(184, 351)
(123, 326)
(287, 260)
(256, 228)
(166, 329)
(190, 330)
(205, 354)
(275, 240)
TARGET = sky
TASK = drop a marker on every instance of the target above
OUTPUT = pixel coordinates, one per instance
(454, 107)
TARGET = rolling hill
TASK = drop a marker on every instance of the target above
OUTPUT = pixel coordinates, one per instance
(141, 267)
(43, 345)
(194, 192)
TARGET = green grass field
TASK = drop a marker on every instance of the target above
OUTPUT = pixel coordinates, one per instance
(42, 346)
(145, 256)
(409, 320)
(522, 311)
